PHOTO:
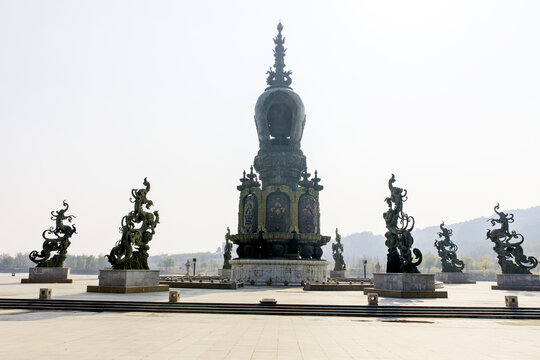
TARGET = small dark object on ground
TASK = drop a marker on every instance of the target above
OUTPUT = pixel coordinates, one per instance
(268, 301)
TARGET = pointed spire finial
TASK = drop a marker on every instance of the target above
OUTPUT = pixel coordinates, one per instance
(279, 77)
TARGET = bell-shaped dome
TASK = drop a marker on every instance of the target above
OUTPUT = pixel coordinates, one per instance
(279, 112)
(280, 117)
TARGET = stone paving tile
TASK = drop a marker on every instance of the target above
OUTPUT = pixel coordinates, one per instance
(215, 336)
(479, 294)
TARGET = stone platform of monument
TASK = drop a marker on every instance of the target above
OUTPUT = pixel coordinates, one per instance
(402, 278)
(279, 239)
(129, 257)
(516, 267)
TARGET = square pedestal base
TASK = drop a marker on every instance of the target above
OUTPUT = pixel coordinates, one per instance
(126, 289)
(340, 274)
(225, 273)
(49, 275)
(405, 285)
(278, 272)
(128, 281)
(407, 294)
(337, 287)
(527, 282)
(454, 278)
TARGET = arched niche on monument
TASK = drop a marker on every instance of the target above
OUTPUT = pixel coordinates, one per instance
(278, 211)
(280, 118)
(250, 214)
(307, 214)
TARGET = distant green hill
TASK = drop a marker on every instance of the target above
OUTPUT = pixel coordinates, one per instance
(469, 236)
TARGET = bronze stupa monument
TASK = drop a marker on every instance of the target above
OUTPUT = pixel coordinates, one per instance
(279, 239)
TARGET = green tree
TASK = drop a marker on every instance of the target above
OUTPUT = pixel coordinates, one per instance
(22, 260)
(430, 263)
(7, 261)
(166, 263)
(484, 263)
(93, 263)
(469, 263)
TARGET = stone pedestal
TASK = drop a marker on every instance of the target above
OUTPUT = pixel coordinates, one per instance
(225, 273)
(278, 272)
(454, 278)
(47, 275)
(128, 281)
(341, 274)
(526, 282)
(404, 285)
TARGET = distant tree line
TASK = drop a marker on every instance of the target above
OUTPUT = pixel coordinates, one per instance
(481, 268)
(207, 263)
(85, 264)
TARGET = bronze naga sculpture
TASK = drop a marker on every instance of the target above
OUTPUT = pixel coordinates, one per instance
(447, 251)
(131, 251)
(506, 249)
(398, 237)
(58, 240)
(227, 250)
(337, 254)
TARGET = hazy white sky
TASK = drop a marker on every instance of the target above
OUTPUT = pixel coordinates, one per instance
(96, 95)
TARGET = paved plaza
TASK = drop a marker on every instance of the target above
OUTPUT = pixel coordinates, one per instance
(86, 335)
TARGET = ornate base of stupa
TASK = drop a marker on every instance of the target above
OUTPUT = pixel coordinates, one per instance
(127, 281)
(278, 272)
(527, 282)
(405, 285)
(454, 278)
(48, 275)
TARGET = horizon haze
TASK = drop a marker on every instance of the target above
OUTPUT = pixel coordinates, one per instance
(96, 96)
